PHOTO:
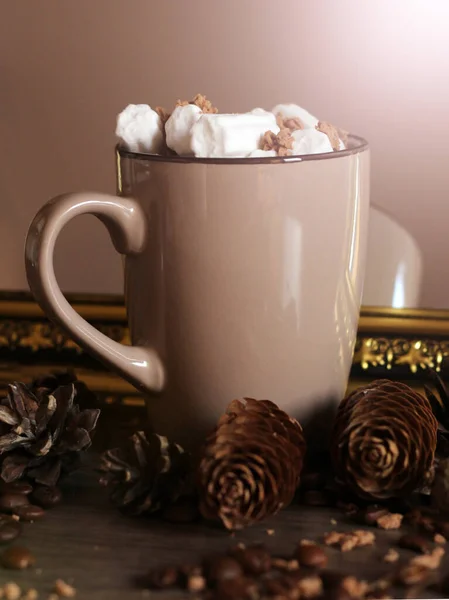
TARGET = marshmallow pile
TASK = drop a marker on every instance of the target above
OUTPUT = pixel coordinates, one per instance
(196, 128)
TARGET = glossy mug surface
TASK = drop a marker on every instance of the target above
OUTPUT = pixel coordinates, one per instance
(243, 277)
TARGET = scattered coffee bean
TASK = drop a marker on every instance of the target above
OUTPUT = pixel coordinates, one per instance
(46, 497)
(242, 588)
(17, 557)
(311, 555)
(29, 512)
(161, 579)
(184, 511)
(222, 568)
(16, 487)
(9, 502)
(9, 531)
(316, 498)
(254, 560)
(414, 542)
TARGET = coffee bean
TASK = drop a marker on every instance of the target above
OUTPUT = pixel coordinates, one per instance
(17, 557)
(16, 487)
(316, 498)
(411, 541)
(161, 579)
(311, 555)
(255, 560)
(46, 497)
(184, 511)
(9, 531)
(29, 512)
(242, 588)
(9, 502)
(222, 568)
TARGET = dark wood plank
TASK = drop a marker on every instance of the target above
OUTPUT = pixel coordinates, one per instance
(87, 542)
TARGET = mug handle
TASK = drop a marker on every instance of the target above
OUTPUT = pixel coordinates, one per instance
(127, 225)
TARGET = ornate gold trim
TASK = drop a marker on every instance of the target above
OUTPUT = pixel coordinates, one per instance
(416, 354)
(388, 339)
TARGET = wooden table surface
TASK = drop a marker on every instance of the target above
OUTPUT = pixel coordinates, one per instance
(89, 543)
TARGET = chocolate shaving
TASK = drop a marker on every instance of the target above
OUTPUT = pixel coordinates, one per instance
(163, 113)
(331, 132)
(282, 143)
(290, 123)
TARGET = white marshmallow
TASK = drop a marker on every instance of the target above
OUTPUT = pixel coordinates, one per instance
(178, 128)
(293, 110)
(310, 141)
(139, 128)
(262, 153)
(236, 135)
(341, 145)
(259, 111)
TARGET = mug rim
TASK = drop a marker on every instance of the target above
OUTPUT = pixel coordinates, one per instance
(358, 145)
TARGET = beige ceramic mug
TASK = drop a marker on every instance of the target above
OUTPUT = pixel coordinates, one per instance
(243, 277)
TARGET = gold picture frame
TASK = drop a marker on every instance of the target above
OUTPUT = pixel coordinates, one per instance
(395, 343)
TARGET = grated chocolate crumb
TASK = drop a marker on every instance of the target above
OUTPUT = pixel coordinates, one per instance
(63, 589)
(390, 521)
(163, 113)
(206, 105)
(310, 587)
(270, 531)
(430, 561)
(356, 588)
(439, 539)
(30, 594)
(196, 583)
(331, 133)
(391, 556)
(348, 541)
(290, 123)
(282, 142)
(11, 591)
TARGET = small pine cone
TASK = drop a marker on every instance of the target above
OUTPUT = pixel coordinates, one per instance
(251, 463)
(42, 434)
(148, 473)
(384, 440)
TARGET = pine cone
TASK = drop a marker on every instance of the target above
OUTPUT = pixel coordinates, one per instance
(41, 435)
(384, 440)
(250, 464)
(47, 384)
(148, 473)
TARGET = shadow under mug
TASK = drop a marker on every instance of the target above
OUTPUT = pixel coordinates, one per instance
(243, 278)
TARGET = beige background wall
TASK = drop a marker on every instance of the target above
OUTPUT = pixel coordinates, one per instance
(377, 67)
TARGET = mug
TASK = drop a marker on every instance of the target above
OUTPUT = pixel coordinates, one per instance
(243, 278)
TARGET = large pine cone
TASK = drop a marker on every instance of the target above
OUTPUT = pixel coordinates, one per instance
(41, 435)
(148, 473)
(384, 440)
(250, 464)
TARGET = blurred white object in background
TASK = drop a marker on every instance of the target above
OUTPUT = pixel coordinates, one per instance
(394, 264)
